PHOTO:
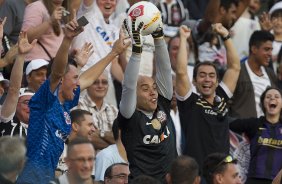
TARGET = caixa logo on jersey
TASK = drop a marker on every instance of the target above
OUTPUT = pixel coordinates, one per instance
(67, 118)
(105, 36)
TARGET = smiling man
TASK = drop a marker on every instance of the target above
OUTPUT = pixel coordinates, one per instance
(255, 76)
(49, 123)
(203, 115)
(104, 113)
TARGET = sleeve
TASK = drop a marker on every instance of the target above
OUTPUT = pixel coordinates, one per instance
(43, 99)
(163, 69)
(128, 97)
(101, 164)
(33, 16)
(248, 126)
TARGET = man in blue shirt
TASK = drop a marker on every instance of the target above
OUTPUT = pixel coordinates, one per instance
(50, 124)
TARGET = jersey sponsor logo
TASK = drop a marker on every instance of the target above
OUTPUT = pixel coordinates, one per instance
(156, 139)
(67, 118)
(61, 135)
(161, 116)
(270, 142)
(105, 36)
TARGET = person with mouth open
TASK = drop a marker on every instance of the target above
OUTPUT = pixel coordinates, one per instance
(265, 135)
(144, 119)
(203, 115)
(50, 123)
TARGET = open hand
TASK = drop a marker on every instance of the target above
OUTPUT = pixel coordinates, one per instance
(121, 44)
(82, 55)
(265, 22)
(57, 14)
(23, 45)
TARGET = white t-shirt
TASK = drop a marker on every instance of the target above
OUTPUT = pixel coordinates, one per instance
(259, 84)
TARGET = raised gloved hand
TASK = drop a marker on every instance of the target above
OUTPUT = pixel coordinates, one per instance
(135, 35)
(158, 34)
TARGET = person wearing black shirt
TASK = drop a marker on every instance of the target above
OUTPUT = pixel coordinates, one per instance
(144, 118)
(203, 115)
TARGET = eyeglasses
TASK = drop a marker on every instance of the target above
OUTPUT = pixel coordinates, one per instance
(103, 82)
(25, 102)
(120, 176)
(83, 160)
(226, 160)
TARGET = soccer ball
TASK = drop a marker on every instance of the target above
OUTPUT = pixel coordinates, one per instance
(145, 12)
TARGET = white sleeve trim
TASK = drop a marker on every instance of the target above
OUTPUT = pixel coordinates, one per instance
(183, 98)
(226, 89)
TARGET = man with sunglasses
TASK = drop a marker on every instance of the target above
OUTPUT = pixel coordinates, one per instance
(103, 113)
(220, 168)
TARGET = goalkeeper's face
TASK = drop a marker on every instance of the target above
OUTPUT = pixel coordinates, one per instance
(107, 7)
(147, 95)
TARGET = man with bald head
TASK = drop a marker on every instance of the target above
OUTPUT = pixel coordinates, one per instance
(144, 118)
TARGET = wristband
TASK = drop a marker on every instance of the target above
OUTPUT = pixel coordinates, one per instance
(136, 49)
(226, 37)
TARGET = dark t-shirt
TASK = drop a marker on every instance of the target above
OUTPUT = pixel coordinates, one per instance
(205, 126)
(13, 127)
(265, 145)
(149, 150)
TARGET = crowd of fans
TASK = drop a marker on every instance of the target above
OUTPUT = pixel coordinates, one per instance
(197, 101)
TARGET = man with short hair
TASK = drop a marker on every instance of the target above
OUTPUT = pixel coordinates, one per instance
(203, 115)
(184, 169)
(146, 127)
(117, 174)
(82, 126)
(221, 168)
(50, 124)
(103, 113)
(36, 73)
(12, 158)
(80, 158)
(255, 76)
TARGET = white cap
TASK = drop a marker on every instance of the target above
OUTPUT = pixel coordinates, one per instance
(26, 92)
(2, 79)
(35, 64)
(275, 7)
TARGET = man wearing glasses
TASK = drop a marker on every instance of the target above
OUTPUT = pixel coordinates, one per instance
(80, 157)
(14, 113)
(103, 113)
(220, 168)
(117, 174)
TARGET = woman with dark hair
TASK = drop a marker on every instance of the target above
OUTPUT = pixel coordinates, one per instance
(265, 135)
(43, 20)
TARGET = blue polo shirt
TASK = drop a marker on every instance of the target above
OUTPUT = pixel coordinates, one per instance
(49, 126)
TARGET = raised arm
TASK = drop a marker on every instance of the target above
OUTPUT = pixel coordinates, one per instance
(163, 66)
(37, 31)
(10, 103)
(128, 97)
(183, 84)
(89, 76)
(233, 61)
(61, 59)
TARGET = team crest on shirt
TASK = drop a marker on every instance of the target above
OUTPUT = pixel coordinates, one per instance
(67, 118)
(161, 116)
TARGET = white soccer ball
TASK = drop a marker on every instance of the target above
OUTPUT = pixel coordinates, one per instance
(145, 12)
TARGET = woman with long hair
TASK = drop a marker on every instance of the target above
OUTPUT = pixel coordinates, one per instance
(43, 20)
(265, 135)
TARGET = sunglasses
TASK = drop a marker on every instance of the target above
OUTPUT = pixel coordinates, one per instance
(226, 160)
